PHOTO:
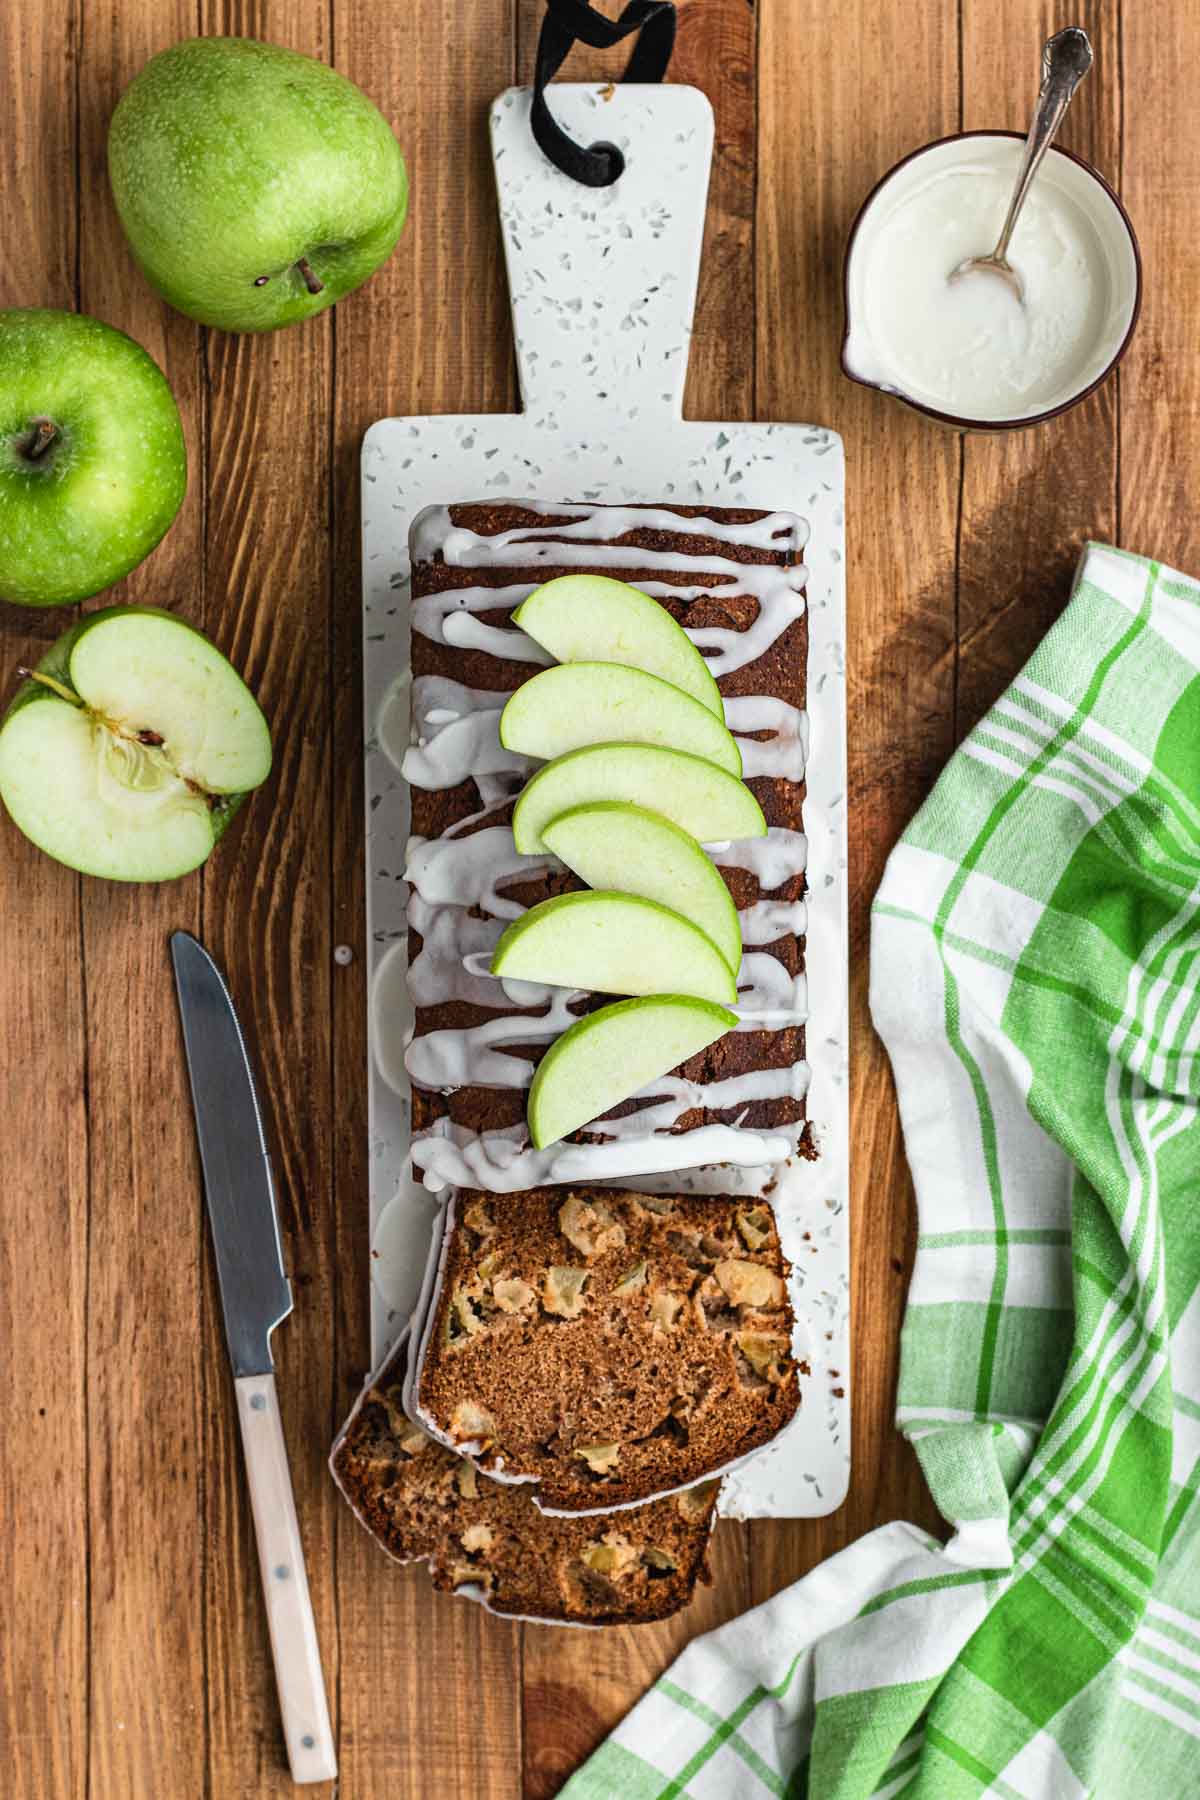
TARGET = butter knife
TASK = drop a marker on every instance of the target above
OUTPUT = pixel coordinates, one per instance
(255, 1296)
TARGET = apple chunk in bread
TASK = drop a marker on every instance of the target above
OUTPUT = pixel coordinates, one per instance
(581, 703)
(613, 943)
(694, 794)
(613, 845)
(593, 618)
(611, 1054)
(127, 751)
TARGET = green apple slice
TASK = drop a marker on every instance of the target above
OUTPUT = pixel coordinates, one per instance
(613, 943)
(129, 748)
(616, 846)
(592, 618)
(611, 1054)
(581, 703)
(696, 795)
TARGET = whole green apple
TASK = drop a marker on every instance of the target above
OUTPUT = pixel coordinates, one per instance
(92, 461)
(256, 186)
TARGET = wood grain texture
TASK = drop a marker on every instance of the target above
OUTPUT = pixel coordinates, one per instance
(44, 1523)
(266, 917)
(145, 1249)
(1159, 381)
(133, 1655)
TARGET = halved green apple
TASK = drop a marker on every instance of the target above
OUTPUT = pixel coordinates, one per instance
(129, 748)
(616, 846)
(613, 943)
(613, 1053)
(592, 618)
(694, 794)
(582, 703)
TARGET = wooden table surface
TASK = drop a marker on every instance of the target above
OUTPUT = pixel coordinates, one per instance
(133, 1654)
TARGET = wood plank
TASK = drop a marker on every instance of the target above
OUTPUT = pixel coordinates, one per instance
(145, 1392)
(266, 909)
(430, 1688)
(1031, 499)
(1159, 382)
(43, 1249)
(826, 142)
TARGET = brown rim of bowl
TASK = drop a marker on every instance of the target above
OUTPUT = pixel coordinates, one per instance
(969, 424)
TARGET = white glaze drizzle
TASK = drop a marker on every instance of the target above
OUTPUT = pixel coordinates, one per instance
(473, 1056)
(785, 753)
(444, 968)
(456, 733)
(778, 857)
(586, 542)
(769, 999)
(458, 870)
(769, 920)
(455, 737)
(450, 1156)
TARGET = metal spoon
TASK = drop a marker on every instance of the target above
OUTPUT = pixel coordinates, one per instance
(1066, 59)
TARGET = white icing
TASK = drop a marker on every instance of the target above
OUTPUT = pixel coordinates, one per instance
(456, 737)
(449, 1156)
(445, 968)
(586, 542)
(778, 857)
(768, 920)
(456, 734)
(468, 871)
(785, 753)
(769, 999)
(468, 633)
(469, 1056)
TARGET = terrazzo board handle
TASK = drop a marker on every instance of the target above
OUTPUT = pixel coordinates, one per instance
(603, 280)
(297, 1657)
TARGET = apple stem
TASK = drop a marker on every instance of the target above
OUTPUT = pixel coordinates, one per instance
(56, 687)
(310, 280)
(42, 433)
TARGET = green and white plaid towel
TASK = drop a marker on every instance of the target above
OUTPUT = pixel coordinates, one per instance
(1036, 979)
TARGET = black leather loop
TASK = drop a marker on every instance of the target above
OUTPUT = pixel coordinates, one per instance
(572, 21)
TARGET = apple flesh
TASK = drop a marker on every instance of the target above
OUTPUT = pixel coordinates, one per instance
(582, 703)
(92, 461)
(613, 1053)
(613, 943)
(703, 800)
(256, 186)
(128, 750)
(592, 618)
(616, 846)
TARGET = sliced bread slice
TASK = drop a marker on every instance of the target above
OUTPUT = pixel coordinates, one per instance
(608, 1346)
(488, 1542)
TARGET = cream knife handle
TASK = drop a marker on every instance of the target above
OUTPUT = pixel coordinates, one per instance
(285, 1585)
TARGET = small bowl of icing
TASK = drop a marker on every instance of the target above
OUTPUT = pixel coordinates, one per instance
(970, 352)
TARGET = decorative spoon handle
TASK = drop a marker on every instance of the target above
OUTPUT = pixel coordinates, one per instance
(1066, 59)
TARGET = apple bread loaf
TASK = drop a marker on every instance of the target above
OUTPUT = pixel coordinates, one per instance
(608, 1346)
(734, 579)
(488, 1542)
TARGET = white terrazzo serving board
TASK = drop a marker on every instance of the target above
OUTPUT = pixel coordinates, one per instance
(603, 286)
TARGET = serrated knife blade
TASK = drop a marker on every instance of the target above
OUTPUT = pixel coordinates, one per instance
(238, 1183)
(255, 1296)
